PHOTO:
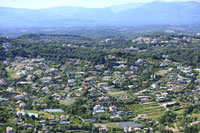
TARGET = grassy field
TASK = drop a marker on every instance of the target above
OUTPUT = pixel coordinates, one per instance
(198, 76)
(109, 124)
(196, 115)
(179, 111)
(67, 101)
(12, 73)
(117, 92)
(151, 109)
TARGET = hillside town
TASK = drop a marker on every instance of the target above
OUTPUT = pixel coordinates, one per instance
(118, 94)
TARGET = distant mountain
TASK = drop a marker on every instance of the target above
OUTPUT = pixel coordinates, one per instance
(160, 12)
(53, 17)
(124, 7)
(153, 13)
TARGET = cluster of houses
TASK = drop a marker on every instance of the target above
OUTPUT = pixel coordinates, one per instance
(63, 84)
(165, 40)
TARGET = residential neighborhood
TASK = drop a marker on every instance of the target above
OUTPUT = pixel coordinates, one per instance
(117, 93)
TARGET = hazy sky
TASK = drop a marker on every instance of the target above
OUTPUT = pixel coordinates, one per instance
(34, 4)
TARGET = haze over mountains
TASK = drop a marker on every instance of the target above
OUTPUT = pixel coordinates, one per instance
(153, 13)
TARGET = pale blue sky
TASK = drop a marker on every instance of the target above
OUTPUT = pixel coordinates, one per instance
(35, 4)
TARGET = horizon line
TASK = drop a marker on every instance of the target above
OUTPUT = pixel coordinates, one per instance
(100, 7)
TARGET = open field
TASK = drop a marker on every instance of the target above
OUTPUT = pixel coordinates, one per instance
(67, 101)
(179, 111)
(196, 115)
(117, 92)
(109, 124)
(12, 73)
(152, 110)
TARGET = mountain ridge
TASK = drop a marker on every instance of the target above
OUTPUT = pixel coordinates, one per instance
(153, 13)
